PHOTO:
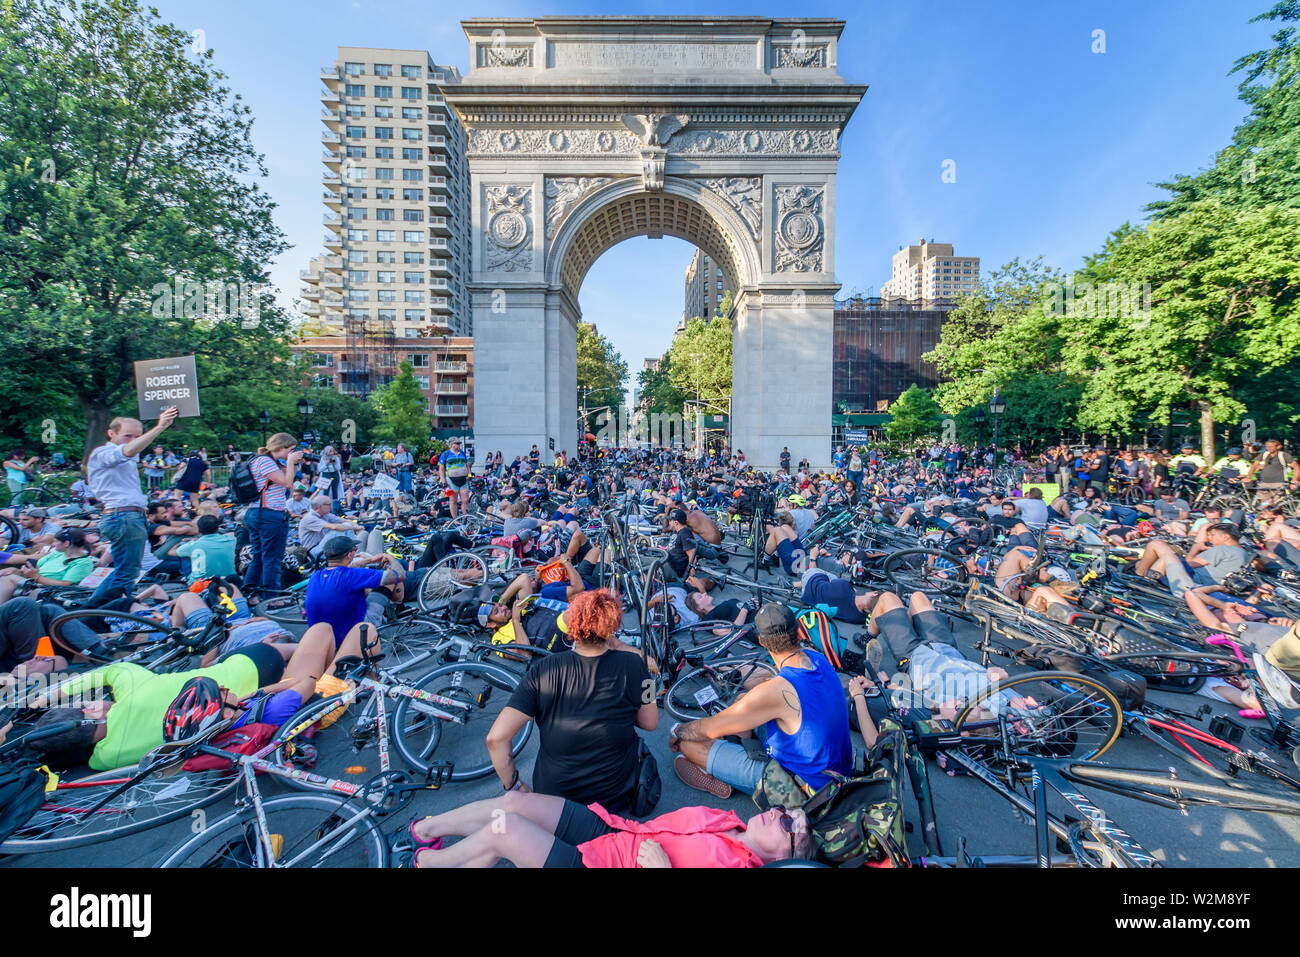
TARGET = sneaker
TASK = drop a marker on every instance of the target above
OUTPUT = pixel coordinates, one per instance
(1280, 688)
(692, 775)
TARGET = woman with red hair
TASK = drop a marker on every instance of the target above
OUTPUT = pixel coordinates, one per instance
(588, 703)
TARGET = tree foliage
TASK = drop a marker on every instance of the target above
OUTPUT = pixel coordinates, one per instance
(699, 361)
(602, 372)
(915, 414)
(125, 166)
(403, 411)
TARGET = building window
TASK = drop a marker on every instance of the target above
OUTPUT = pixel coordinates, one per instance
(413, 315)
(383, 69)
(411, 93)
(354, 69)
(410, 72)
(354, 89)
(358, 235)
(411, 333)
(359, 295)
(413, 236)
(358, 275)
(385, 235)
(383, 172)
(383, 192)
(410, 113)
(413, 215)
(413, 195)
(355, 152)
(413, 278)
(383, 153)
(322, 360)
(354, 132)
(419, 361)
(413, 259)
(383, 92)
(387, 315)
(387, 295)
(356, 192)
(386, 276)
(384, 215)
(410, 134)
(356, 172)
(413, 154)
(385, 256)
(356, 212)
(383, 132)
(414, 295)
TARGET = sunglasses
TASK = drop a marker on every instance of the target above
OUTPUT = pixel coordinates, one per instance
(787, 825)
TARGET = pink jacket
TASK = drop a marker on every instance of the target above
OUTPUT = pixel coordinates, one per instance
(690, 836)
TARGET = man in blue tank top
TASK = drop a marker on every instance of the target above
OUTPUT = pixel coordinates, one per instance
(800, 717)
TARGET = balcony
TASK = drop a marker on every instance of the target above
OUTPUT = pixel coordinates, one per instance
(328, 137)
(437, 282)
(332, 281)
(437, 76)
(311, 309)
(439, 200)
(329, 157)
(437, 140)
(451, 367)
(329, 72)
(437, 118)
(440, 224)
(440, 304)
(448, 408)
(440, 266)
(438, 159)
(452, 388)
(333, 220)
(333, 239)
(332, 179)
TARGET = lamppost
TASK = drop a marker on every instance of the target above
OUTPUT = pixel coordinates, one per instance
(996, 407)
(979, 423)
(265, 418)
(305, 409)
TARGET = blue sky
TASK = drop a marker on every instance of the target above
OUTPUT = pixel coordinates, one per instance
(1054, 145)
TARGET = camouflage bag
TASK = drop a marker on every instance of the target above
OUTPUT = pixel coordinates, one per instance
(858, 821)
(779, 788)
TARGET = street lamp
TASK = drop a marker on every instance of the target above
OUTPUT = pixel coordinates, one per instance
(305, 409)
(979, 419)
(996, 407)
(265, 418)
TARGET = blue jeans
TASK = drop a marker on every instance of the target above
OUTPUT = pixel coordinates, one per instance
(268, 530)
(127, 535)
(404, 480)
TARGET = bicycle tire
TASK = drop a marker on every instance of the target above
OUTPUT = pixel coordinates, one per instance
(448, 577)
(656, 619)
(233, 836)
(681, 701)
(1084, 699)
(151, 802)
(123, 643)
(406, 722)
(288, 608)
(906, 577)
(8, 534)
(1215, 665)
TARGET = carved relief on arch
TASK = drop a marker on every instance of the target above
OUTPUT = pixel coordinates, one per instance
(508, 229)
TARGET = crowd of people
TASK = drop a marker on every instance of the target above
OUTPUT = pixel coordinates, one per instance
(589, 702)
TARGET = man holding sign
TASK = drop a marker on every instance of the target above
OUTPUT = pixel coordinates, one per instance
(113, 472)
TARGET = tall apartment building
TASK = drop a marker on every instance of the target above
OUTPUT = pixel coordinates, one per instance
(396, 191)
(705, 287)
(930, 271)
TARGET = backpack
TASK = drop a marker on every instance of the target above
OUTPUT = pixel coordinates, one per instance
(463, 606)
(858, 821)
(243, 484)
(246, 739)
(816, 628)
(22, 791)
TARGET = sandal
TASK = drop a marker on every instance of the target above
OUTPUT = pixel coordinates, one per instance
(419, 845)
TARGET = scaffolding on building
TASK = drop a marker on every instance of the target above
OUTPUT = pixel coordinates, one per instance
(371, 360)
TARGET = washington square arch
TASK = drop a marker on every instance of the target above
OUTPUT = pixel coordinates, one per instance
(583, 132)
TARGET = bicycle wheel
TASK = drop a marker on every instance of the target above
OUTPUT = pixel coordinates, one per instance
(449, 577)
(305, 830)
(1048, 713)
(409, 643)
(121, 635)
(417, 733)
(285, 607)
(714, 686)
(656, 621)
(1178, 664)
(66, 820)
(927, 570)
(8, 534)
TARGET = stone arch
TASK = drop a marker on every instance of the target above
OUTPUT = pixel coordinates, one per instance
(623, 209)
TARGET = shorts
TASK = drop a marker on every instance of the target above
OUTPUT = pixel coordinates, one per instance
(457, 483)
(733, 763)
(200, 617)
(577, 825)
(253, 633)
(267, 660)
(278, 708)
(809, 575)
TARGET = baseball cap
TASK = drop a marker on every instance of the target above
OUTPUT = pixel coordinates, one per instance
(337, 546)
(774, 619)
(677, 515)
(1234, 451)
(37, 513)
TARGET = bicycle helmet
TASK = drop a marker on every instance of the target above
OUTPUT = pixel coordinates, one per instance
(798, 501)
(196, 709)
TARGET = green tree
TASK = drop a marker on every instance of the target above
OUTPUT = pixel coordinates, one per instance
(602, 373)
(1261, 166)
(656, 392)
(699, 361)
(125, 167)
(1225, 308)
(403, 412)
(914, 414)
